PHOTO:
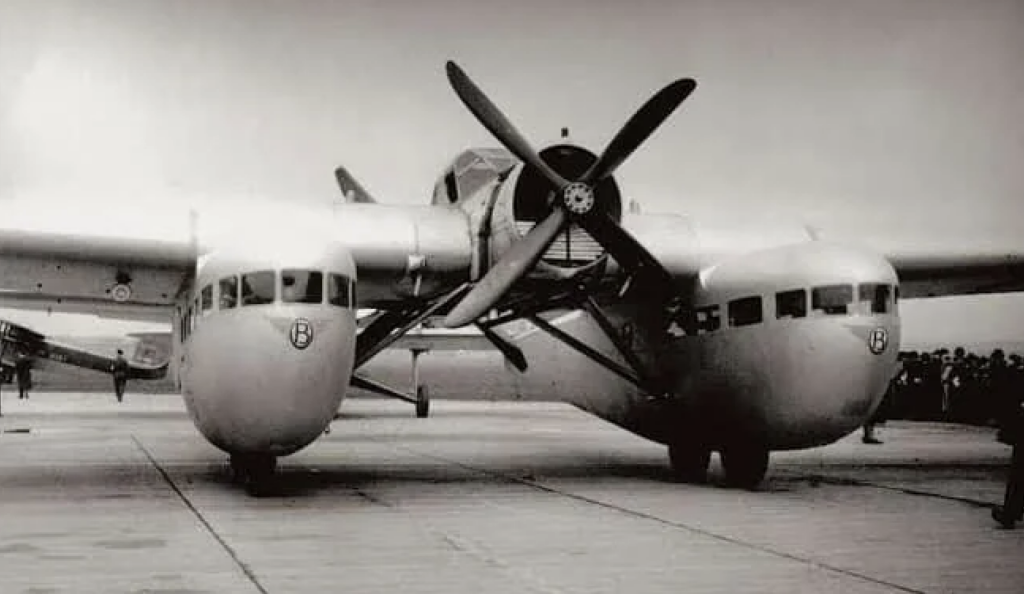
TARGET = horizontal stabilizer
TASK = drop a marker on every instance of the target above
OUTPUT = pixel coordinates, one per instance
(350, 188)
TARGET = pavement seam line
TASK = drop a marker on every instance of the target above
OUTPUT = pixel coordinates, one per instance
(843, 481)
(677, 525)
(460, 545)
(246, 570)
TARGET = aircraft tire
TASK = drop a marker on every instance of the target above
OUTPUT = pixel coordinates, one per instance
(257, 472)
(744, 466)
(422, 402)
(689, 462)
(237, 470)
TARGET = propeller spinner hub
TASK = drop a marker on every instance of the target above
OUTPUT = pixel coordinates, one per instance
(578, 198)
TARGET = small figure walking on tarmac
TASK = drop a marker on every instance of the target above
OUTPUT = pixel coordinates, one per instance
(23, 373)
(120, 372)
(1012, 433)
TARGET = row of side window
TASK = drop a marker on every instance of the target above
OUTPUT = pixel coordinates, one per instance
(266, 286)
(826, 300)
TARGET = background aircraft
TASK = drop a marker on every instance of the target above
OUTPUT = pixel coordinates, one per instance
(144, 360)
(700, 337)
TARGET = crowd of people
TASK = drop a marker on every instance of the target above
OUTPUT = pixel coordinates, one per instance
(963, 387)
(955, 386)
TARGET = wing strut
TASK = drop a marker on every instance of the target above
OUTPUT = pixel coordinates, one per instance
(365, 383)
(646, 378)
(512, 353)
(635, 373)
(384, 330)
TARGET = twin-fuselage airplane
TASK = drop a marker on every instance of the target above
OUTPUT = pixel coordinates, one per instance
(700, 338)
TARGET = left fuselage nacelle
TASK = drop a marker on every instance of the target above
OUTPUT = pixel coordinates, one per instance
(266, 345)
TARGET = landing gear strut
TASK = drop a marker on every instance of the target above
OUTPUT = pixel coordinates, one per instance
(255, 472)
(689, 462)
(745, 465)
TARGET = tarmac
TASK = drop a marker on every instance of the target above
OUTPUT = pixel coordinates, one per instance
(484, 497)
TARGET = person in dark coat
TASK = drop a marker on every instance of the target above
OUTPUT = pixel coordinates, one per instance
(23, 373)
(1012, 433)
(119, 370)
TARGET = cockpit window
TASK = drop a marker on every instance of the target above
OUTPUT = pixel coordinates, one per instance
(876, 297)
(302, 286)
(791, 304)
(744, 312)
(206, 298)
(451, 188)
(258, 288)
(834, 300)
(228, 292)
(707, 319)
(340, 290)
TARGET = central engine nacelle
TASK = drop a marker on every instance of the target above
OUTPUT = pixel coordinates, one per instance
(524, 199)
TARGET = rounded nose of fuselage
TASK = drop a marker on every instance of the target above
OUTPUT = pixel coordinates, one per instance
(824, 378)
(268, 379)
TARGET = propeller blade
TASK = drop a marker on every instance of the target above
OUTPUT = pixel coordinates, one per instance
(494, 120)
(512, 266)
(645, 121)
(631, 255)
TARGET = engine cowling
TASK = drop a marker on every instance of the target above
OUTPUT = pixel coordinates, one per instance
(524, 199)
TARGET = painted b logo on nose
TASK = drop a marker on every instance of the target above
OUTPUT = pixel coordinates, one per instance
(301, 334)
(878, 340)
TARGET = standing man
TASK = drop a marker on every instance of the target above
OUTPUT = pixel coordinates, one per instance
(1012, 433)
(23, 372)
(4, 378)
(881, 414)
(120, 372)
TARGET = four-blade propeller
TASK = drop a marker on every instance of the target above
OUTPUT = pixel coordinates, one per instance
(573, 201)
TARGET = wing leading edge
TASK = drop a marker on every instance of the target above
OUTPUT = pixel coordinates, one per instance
(88, 273)
(936, 274)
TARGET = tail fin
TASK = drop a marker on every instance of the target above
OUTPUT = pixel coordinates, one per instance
(350, 188)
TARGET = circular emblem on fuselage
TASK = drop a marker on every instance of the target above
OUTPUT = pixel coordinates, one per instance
(878, 340)
(121, 293)
(578, 198)
(301, 333)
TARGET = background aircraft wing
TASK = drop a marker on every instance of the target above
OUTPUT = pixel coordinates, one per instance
(148, 355)
(88, 273)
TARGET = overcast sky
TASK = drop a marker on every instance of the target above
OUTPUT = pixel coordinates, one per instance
(875, 112)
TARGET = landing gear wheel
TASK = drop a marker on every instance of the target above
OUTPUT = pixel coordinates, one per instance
(744, 466)
(422, 402)
(255, 471)
(238, 473)
(689, 462)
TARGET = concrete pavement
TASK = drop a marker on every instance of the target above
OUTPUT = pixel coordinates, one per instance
(495, 497)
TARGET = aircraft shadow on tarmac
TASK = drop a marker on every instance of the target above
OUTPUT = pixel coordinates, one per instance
(129, 480)
(299, 480)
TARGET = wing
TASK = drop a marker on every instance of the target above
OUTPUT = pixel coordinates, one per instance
(84, 358)
(937, 274)
(80, 273)
(442, 340)
(941, 264)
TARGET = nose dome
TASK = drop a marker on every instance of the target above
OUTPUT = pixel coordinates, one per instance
(270, 340)
(269, 381)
